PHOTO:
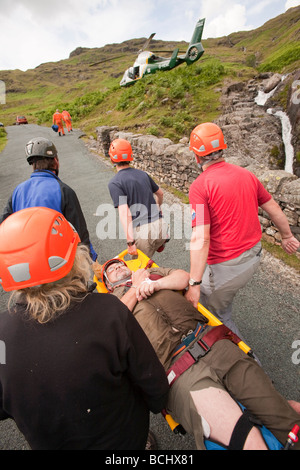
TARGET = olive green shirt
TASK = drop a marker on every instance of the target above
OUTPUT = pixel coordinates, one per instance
(165, 317)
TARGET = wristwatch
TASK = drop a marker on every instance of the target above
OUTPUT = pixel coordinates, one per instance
(131, 243)
(194, 283)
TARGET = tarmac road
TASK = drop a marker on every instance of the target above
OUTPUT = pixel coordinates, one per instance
(267, 310)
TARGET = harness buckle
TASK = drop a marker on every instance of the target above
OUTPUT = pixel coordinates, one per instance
(199, 350)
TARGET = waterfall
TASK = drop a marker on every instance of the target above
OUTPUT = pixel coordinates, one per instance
(261, 100)
(287, 138)
(263, 97)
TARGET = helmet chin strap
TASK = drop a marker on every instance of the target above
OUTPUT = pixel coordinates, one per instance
(204, 161)
(122, 282)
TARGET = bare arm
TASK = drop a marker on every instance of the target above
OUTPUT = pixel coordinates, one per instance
(141, 288)
(199, 247)
(130, 298)
(289, 243)
(159, 197)
(177, 280)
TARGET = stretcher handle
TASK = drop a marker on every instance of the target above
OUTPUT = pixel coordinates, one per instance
(213, 320)
(176, 428)
(139, 262)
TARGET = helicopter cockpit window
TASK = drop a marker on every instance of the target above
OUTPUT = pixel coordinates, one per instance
(133, 72)
(136, 71)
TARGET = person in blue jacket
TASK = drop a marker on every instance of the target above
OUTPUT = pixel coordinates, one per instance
(45, 189)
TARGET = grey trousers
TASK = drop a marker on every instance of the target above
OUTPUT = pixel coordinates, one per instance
(149, 237)
(221, 282)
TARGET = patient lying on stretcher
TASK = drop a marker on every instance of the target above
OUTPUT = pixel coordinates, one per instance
(203, 399)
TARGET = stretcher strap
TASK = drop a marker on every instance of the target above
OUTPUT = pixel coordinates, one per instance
(241, 431)
(199, 349)
(149, 264)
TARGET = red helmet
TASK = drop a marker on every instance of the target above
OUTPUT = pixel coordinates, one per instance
(207, 138)
(108, 263)
(120, 151)
(37, 246)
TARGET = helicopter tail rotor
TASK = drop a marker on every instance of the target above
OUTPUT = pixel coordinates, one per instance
(195, 49)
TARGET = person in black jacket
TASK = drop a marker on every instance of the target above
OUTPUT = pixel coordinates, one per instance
(79, 372)
(45, 189)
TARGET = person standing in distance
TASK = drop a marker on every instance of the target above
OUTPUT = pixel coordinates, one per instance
(133, 192)
(225, 246)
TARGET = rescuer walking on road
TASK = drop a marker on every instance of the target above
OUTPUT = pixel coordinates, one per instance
(133, 192)
(226, 233)
(58, 120)
(45, 188)
(68, 120)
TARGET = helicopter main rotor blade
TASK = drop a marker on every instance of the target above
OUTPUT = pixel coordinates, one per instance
(107, 60)
(167, 52)
(145, 46)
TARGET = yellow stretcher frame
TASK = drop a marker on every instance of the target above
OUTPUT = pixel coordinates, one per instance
(140, 263)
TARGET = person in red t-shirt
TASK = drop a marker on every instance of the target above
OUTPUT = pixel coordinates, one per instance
(226, 235)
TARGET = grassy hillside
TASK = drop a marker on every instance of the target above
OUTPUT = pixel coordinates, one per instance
(166, 104)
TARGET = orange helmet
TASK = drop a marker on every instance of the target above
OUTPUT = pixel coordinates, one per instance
(108, 263)
(206, 138)
(37, 246)
(120, 151)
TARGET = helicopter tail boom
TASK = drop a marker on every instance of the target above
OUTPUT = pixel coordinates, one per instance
(173, 59)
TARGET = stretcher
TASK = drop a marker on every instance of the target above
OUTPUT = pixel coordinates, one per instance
(142, 262)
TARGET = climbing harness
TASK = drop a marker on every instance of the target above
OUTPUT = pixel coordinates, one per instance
(199, 349)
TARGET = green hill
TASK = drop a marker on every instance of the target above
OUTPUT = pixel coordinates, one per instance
(166, 104)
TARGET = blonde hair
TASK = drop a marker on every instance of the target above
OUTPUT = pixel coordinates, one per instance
(46, 302)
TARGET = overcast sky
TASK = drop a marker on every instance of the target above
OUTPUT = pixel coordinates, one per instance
(38, 31)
